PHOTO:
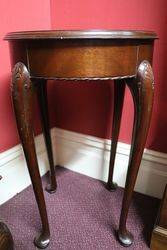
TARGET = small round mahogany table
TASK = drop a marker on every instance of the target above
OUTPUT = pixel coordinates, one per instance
(122, 56)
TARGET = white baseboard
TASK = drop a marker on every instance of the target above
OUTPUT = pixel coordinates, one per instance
(13, 169)
(84, 154)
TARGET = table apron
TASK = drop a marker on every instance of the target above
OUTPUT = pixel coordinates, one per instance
(81, 60)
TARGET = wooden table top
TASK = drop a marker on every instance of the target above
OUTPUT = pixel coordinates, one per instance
(81, 54)
(81, 34)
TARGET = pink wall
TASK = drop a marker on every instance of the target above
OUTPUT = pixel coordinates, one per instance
(86, 107)
(16, 15)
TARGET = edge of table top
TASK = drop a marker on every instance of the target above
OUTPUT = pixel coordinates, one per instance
(80, 34)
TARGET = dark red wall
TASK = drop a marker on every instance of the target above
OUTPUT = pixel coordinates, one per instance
(16, 15)
(87, 107)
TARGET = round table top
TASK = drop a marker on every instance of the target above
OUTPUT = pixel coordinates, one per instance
(80, 34)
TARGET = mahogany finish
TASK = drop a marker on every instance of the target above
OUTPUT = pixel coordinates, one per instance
(159, 234)
(6, 240)
(81, 34)
(142, 89)
(22, 95)
(119, 91)
(43, 105)
(163, 210)
(85, 54)
(122, 56)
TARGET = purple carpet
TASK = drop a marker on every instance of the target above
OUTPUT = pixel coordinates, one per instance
(82, 215)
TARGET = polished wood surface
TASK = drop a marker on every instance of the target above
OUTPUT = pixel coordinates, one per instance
(122, 56)
(142, 89)
(81, 34)
(119, 91)
(159, 239)
(159, 235)
(22, 95)
(163, 211)
(6, 240)
(76, 59)
(43, 106)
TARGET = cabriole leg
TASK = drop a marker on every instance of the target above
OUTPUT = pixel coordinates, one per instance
(142, 89)
(22, 95)
(119, 90)
(43, 105)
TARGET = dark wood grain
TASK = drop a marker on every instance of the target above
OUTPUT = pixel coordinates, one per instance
(163, 211)
(159, 234)
(6, 240)
(119, 90)
(142, 89)
(22, 95)
(159, 239)
(81, 34)
(43, 106)
(76, 59)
